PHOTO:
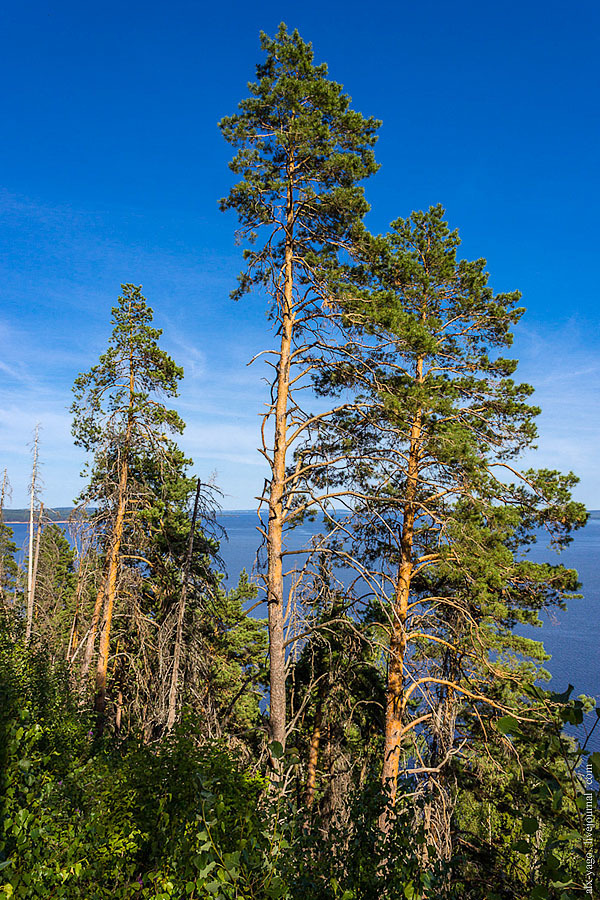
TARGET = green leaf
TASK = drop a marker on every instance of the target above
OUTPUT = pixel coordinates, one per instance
(539, 893)
(594, 761)
(508, 725)
(562, 698)
(522, 846)
(205, 872)
(530, 825)
(276, 750)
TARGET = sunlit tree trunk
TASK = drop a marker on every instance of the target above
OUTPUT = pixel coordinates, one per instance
(275, 604)
(395, 699)
(114, 559)
(111, 590)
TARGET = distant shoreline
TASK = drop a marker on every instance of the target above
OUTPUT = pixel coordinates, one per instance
(46, 522)
(62, 515)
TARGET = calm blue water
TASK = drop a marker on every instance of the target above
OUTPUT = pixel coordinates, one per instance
(572, 637)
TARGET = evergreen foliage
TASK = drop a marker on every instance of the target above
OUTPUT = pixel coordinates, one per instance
(301, 154)
(389, 736)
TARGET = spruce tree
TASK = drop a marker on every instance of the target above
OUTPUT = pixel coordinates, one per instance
(301, 155)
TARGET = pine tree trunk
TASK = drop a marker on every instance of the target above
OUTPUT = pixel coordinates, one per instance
(119, 712)
(111, 590)
(394, 709)
(395, 700)
(113, 562)
(313, 756)
(91, 638)
(275, 607)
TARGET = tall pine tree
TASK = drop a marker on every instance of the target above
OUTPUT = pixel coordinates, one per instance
(441, 511)
(301, 154)
(120, 416)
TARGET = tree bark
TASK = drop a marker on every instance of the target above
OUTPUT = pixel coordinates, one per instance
(313, 756)
(275, 607)
(113, 563)
(111, 590)
(395, 699)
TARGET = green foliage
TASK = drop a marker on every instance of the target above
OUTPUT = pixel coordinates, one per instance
(8, 567)
(337, 686)
(83, 818)
(55, 589)
(234, 646)
(301, 151)
(499, 797)
(357, 860)
(524, 789)
(121, 389)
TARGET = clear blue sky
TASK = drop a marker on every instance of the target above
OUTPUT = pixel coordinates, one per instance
(112, 165)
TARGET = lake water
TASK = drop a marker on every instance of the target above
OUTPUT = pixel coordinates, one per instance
(572, 636)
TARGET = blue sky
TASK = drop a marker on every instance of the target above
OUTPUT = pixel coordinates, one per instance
(112, 166)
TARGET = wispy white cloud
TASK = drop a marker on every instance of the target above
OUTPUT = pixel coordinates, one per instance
(564, 367)
(61, 275)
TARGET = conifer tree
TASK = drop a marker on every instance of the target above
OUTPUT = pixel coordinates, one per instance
(119, 413)
(301, 153)
(430, 461)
